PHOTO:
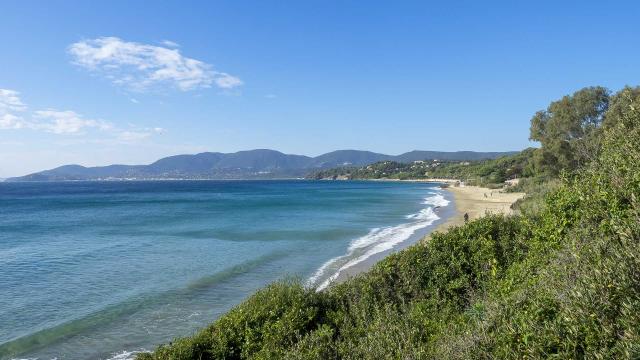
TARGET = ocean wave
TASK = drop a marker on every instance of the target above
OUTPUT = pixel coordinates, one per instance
(364, 240)
(53, 334)
(436, 200)
(378, 240)
(127, 355)
(233, 271)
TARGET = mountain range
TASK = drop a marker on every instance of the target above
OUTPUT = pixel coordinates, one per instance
(250, 164)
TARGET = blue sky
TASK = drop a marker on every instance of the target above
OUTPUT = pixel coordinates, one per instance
(96, 83)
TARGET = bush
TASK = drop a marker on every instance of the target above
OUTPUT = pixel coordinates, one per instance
(367, 314)
(577, 293)
(264, 326)
(559, 281)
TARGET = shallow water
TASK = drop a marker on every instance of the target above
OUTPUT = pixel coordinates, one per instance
(93, 270)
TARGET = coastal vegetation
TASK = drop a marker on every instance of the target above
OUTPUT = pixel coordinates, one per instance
(558, 280)
(484, 172)
(569, 131)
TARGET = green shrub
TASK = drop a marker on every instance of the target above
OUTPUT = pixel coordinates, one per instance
(562, 280)
(577, 293)
(265, 326)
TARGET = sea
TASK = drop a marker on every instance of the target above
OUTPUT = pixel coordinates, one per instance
(104, 270)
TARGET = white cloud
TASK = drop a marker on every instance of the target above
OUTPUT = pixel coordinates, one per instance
(141, 66)
(226, 81)
(72, 123)
(133, 135)
(66, 122)
(10, 101)
(169, 43)
(10, 104)
(10, 121)
(139, 134)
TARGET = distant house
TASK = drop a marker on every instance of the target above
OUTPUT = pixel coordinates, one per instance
(418, 162)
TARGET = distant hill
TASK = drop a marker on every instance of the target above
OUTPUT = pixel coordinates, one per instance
(417, 155)
(250, 164)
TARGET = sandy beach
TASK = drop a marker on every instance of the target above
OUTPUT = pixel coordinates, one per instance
(472, 200)
(478, 201)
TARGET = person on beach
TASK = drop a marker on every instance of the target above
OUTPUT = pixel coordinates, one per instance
(466, 217)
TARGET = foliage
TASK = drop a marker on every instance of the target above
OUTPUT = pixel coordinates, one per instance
(620, 103)
(583, 298)
(264, 326)
(485, 172)
(363, 317)
(559, 282)
(536, 188)
(568, 129)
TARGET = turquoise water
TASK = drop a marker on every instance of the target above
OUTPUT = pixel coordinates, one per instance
(99, 270)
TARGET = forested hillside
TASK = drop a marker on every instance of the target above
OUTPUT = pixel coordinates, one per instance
(251, 164)
(482, 172)
(560, 280)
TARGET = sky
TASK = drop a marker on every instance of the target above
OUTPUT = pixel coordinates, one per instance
(97, 83)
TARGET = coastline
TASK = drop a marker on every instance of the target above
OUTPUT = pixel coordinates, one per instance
(473, 200)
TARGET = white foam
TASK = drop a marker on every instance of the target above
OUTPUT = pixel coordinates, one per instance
(379, 240)
(314, 278)
(196, 313)
(436, 200)
(127, 355)
(365, 240)
(424, 214)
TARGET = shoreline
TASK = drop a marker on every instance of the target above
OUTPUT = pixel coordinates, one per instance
(478, 201)
(473, 200)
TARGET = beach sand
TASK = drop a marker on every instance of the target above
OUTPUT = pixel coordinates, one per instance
(478, 201)
(473, 200)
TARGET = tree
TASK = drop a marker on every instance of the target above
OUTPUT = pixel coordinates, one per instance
(568, 129)
(620, 104)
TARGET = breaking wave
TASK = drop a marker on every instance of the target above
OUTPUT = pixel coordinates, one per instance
(377, 241)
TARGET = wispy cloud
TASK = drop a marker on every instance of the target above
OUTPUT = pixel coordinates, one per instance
(226, 81)
(66, 122)
(10, 101)
(169, 43)
(63, 122)
(10, 108)
(10, 121)
(141, 67)
(137, 134)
